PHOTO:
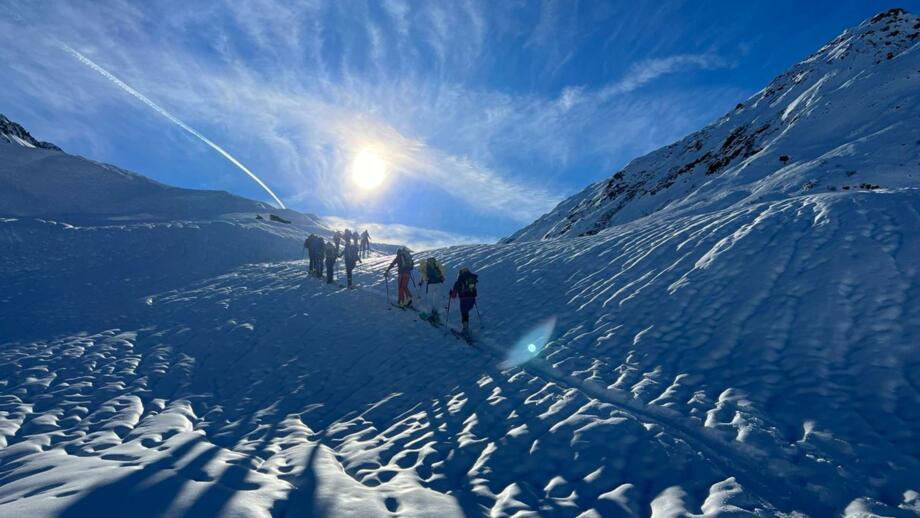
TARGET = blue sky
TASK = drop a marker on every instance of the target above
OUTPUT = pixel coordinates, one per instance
(487, 113)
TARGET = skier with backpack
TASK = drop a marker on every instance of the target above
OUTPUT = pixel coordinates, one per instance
(316, 252)
(432, 277)
(465, 289)
(331, 254)
(403, 264)
(308, 247)
(352, 258)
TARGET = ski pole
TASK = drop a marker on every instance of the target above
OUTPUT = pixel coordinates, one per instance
(447, 315)
(386, 280)
(479, 315)
(414, 286)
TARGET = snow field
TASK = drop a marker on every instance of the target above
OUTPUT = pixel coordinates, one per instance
(670, 385)
(784, 328)
(254, 417)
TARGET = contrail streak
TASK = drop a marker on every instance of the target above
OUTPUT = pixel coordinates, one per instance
(121, 84)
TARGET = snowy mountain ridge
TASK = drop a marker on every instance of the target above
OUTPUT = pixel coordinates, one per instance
(13, 133)
(46, 182)
(56, 208)
(827, 124)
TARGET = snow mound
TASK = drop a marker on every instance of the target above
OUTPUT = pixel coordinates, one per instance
(58, 276)
(847, 118)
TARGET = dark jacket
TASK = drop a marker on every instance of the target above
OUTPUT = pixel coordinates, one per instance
(351, 255)
(330, 253)
(465, 285)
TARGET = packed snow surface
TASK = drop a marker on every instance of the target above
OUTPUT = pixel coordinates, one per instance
(160, 357)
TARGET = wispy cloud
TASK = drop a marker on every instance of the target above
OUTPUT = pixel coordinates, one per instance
(638, 75)
(336, 132)
(648, 70)
(172, 118)
(296, 88)
(416, 238)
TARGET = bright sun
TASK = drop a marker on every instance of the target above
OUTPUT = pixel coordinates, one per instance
(368, 170)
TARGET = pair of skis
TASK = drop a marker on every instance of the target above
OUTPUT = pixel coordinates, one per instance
(456, 334)
(424, 316)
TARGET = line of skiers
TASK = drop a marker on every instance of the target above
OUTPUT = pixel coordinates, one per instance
(431, 278)
(362, 240)
(322, 252)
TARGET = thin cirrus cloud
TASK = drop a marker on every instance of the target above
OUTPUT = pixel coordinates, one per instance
(331, 79)
(335, 132)
(338, 128)
(648, 70)
(639, 75)
(172, 118)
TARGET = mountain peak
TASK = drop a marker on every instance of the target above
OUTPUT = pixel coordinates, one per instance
(845, 119)
(15, 134)
(894, 13)
(882, 37)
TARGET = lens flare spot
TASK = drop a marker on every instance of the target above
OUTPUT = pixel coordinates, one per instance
(530, 345)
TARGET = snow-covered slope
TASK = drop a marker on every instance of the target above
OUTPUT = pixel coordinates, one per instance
(847, 118)
(47, 182)
(80, 236)
(734, 363)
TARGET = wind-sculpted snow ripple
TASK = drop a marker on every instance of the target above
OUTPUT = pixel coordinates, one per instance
(789, 326)
(755, 360)
(264, 392)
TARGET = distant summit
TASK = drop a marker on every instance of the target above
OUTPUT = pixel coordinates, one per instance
(845, 119)
(13, 133)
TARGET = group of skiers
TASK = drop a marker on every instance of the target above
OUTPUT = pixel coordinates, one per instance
(431, 278)
(322, 252)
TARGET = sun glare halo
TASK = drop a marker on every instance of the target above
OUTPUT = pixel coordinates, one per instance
(368, 170)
